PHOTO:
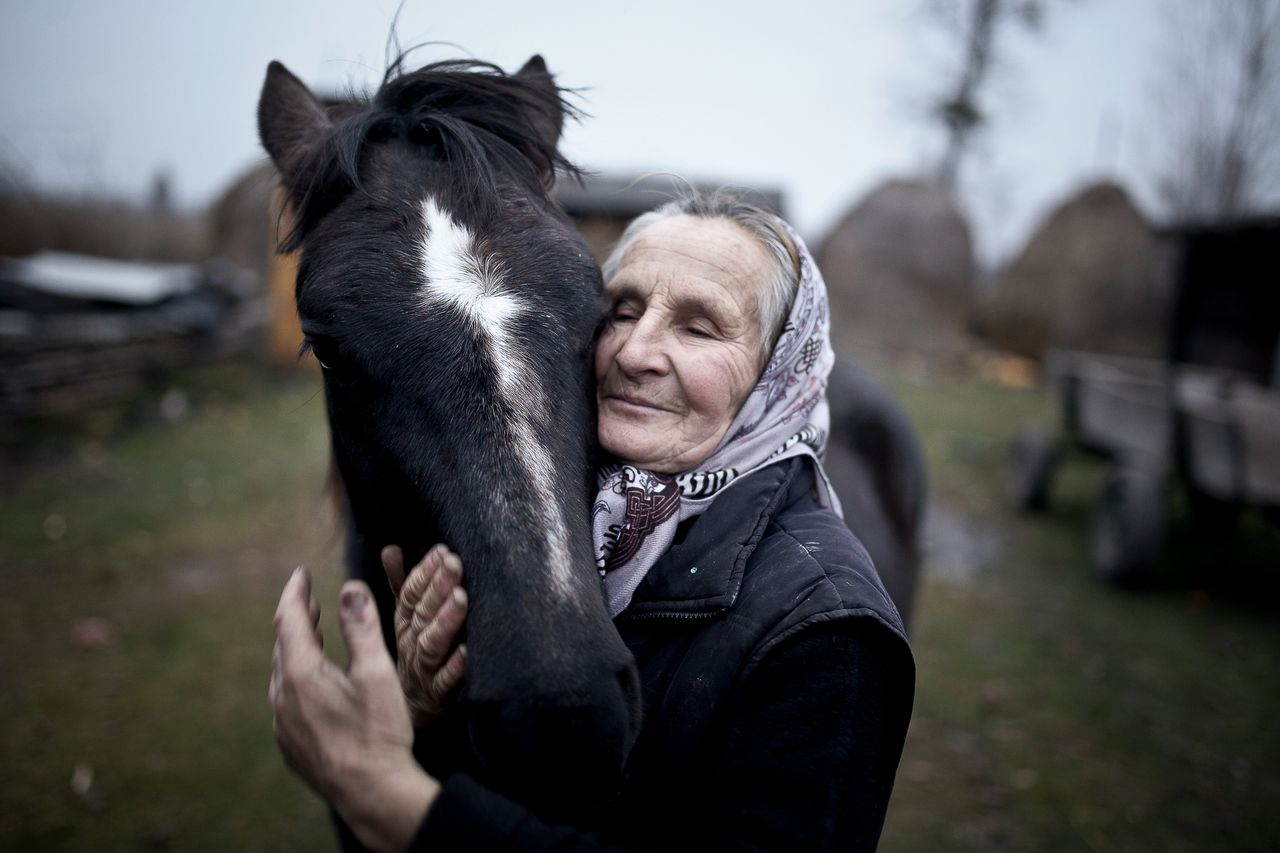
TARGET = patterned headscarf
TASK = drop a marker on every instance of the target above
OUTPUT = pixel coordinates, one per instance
(636, 511)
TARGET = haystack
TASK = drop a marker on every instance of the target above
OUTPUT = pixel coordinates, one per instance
(899, 268)
(1090, 279)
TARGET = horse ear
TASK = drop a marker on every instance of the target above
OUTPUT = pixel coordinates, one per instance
(549, 121)
(290, 120)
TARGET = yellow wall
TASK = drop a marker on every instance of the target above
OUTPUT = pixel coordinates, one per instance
(284, 333)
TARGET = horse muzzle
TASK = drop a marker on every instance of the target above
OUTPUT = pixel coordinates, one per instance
(560, 750)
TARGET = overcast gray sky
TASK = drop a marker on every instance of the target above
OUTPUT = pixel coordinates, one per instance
(820, 99)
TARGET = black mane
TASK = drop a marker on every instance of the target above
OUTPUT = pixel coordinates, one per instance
(481, 120)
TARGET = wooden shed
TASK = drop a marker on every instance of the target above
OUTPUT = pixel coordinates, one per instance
(603, 205)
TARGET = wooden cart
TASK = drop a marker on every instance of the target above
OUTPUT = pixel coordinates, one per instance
(1207, 418)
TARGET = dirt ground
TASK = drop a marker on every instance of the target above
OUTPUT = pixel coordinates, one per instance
(142, 549)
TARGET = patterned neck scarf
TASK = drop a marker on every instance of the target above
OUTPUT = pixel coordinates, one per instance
(636, 511)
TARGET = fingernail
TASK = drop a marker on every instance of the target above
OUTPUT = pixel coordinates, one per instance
(354, 602)
(459, 596)
(297, 571)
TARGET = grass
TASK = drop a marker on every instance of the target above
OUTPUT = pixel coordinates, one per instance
(141, 560)
(137, 581)
(1054, 713)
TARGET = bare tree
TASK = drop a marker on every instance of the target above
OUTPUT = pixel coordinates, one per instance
(974, 24)
(1219, 100)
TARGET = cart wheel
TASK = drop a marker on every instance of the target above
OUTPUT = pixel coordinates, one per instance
(1213, 526)
(1128, 524)
(1033, 456)
(1214, 520)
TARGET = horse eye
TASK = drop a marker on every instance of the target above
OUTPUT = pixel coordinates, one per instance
(325, 351)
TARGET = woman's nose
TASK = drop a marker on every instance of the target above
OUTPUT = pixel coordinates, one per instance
(642, 349)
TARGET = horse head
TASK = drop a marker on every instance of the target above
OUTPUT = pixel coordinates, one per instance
(453, 309)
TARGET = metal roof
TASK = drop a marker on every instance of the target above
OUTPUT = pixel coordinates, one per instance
(71, 276)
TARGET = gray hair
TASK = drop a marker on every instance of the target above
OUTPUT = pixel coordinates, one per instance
(783, 277)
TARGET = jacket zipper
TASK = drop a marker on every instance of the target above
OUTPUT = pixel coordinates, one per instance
(664, 614)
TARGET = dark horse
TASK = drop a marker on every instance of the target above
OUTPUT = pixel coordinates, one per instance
(454, 308)
(878, 470)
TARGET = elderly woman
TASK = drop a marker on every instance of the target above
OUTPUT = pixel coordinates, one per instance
(776, 675)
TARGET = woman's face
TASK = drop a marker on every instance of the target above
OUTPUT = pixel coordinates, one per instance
(682, 348)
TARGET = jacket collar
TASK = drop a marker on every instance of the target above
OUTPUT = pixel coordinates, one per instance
(701, 575)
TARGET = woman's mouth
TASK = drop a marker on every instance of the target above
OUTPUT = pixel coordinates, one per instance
(635, 403)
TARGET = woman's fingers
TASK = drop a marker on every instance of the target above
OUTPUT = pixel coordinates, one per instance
(450, 675)
(393, 565)
(431, 606)
(273, 686)
(438, 685)
(446, 578)
(295, 631)
(315, 622)
(411, 591)
(437, 635)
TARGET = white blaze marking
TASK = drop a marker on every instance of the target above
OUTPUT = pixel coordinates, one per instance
(474, 287)
(455, 275)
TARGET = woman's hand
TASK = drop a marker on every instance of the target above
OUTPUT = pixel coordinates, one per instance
(430, 608)
(348, 735)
